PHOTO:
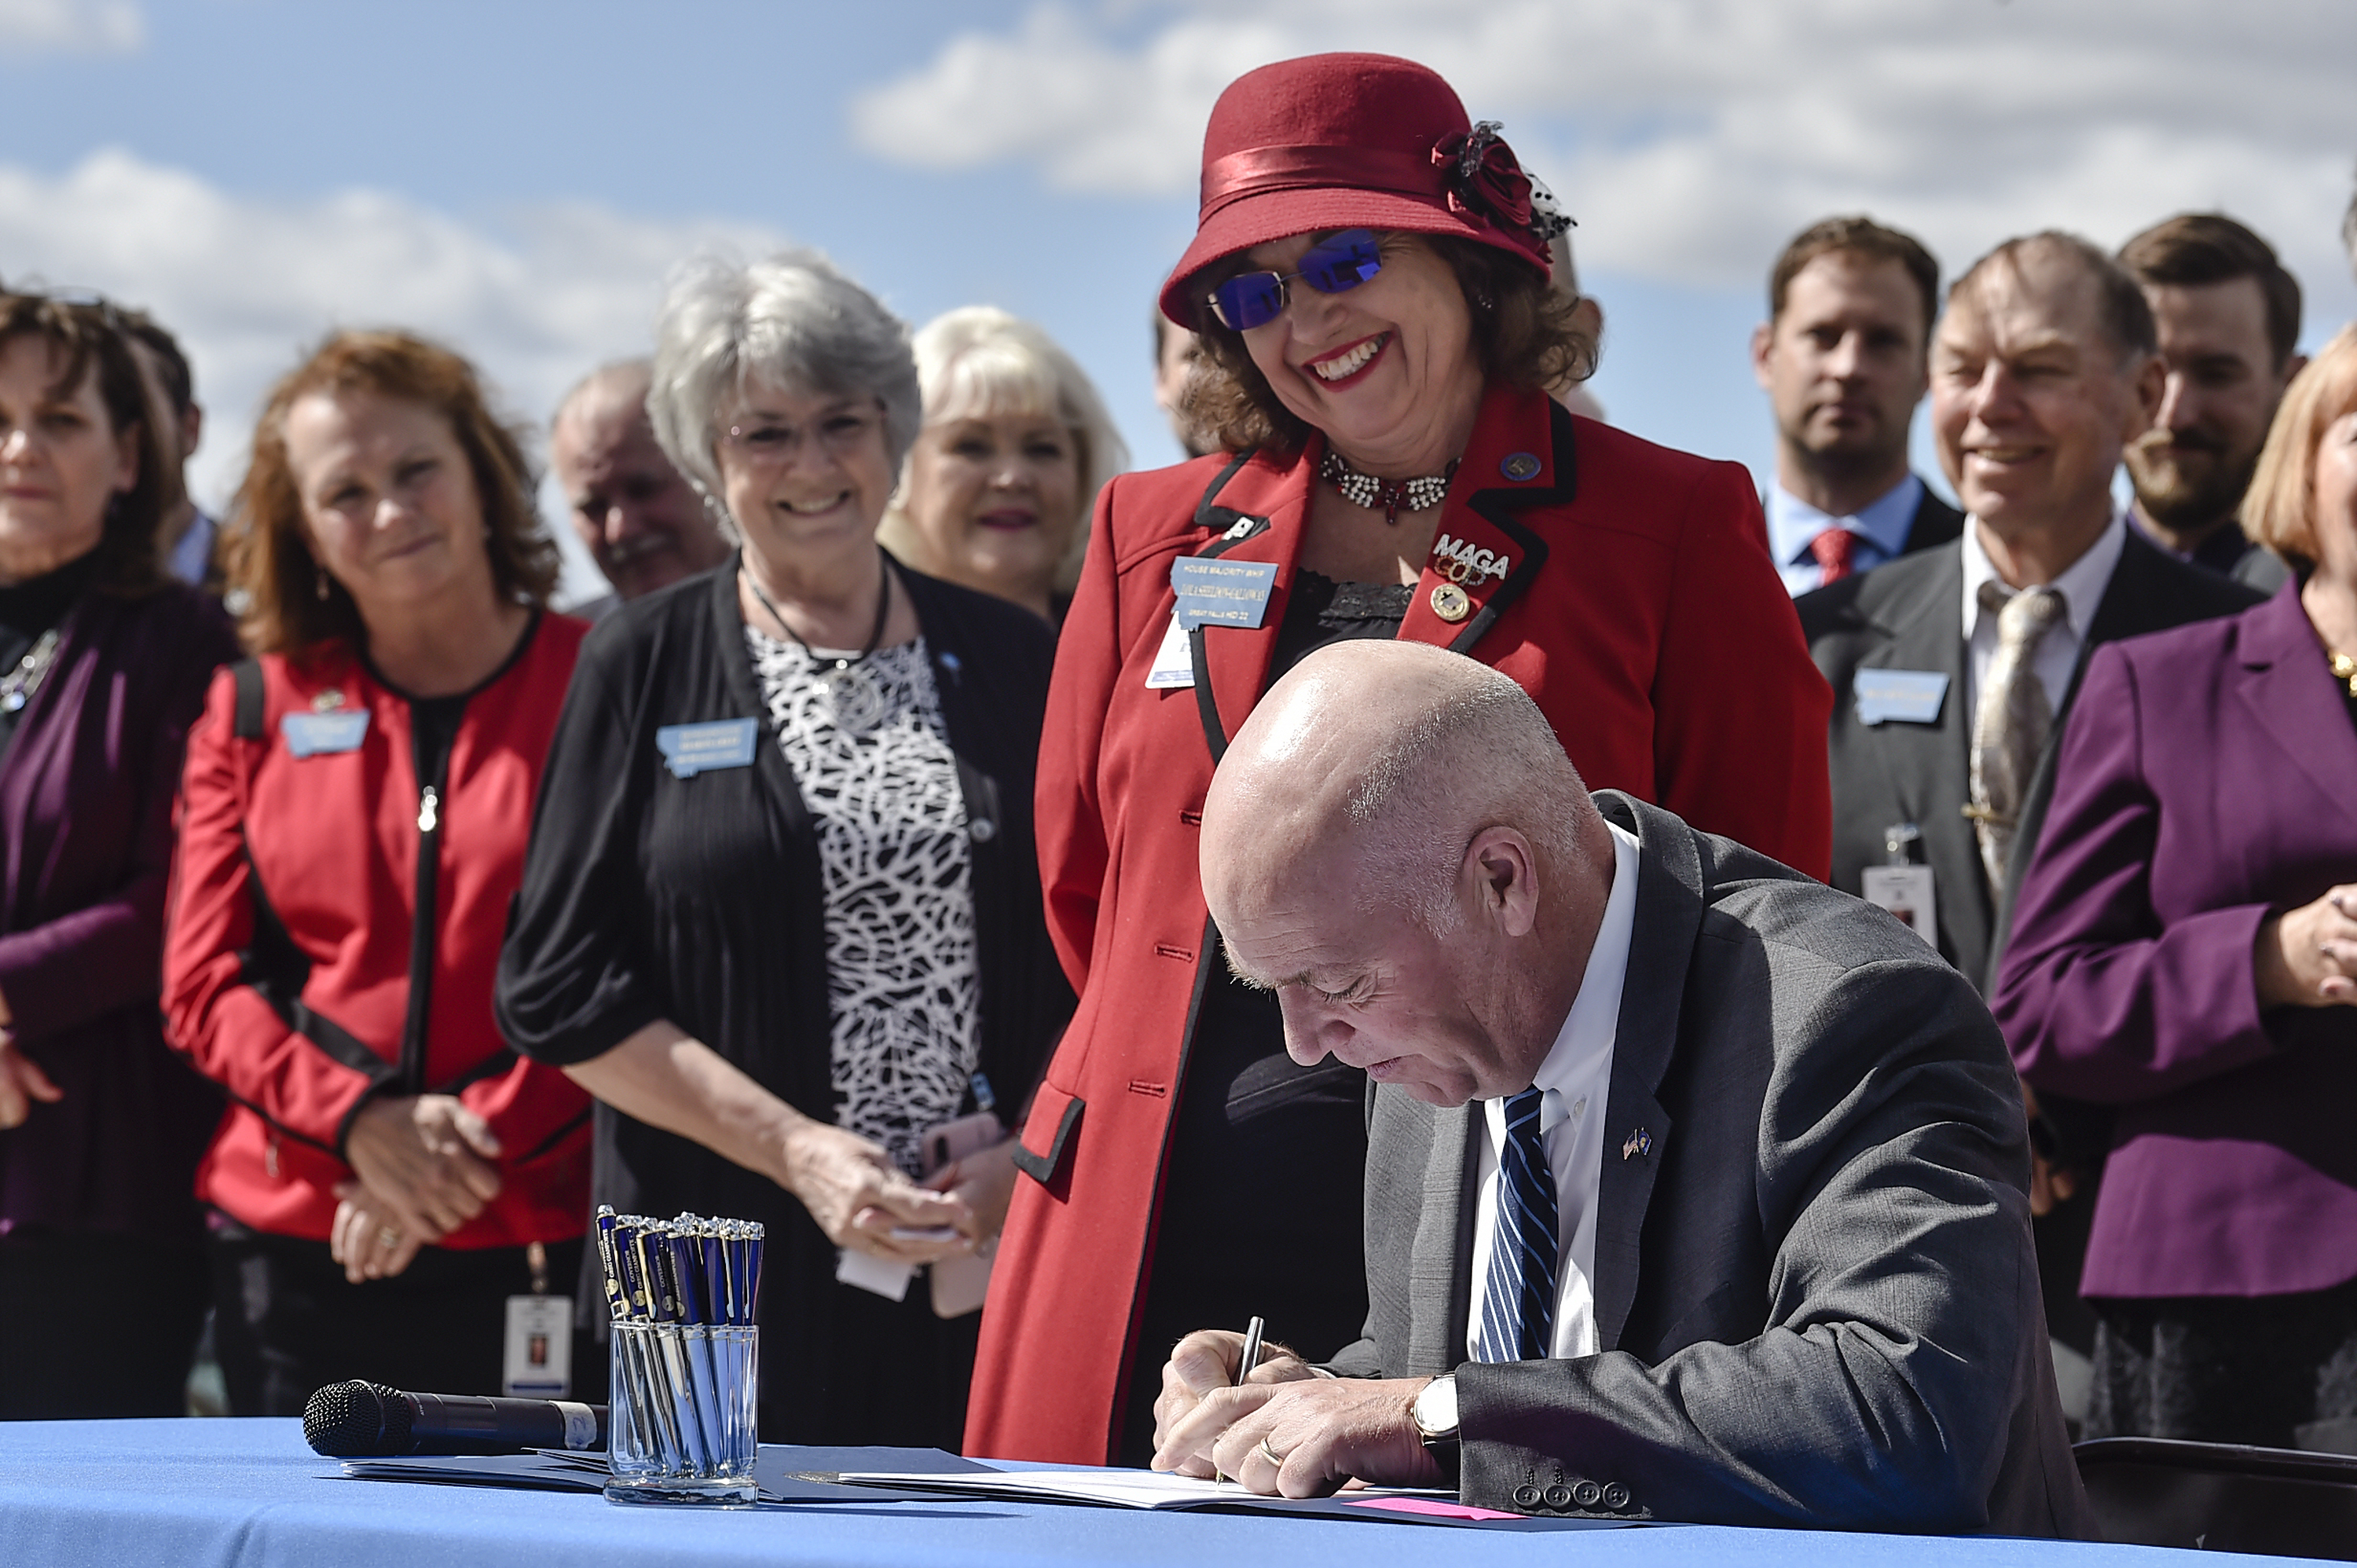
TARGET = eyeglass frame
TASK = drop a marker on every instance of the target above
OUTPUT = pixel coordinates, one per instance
(872, 418)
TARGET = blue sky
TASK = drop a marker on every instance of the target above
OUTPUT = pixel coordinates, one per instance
(516, 177)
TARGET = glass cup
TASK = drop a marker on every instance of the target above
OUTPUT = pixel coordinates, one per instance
(682, 1428)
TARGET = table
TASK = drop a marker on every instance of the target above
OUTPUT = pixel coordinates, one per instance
(196, 1494)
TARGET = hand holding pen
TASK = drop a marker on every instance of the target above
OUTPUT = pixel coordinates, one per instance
(1208, 1367)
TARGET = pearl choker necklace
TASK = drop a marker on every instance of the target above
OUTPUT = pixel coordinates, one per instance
(1392, 495)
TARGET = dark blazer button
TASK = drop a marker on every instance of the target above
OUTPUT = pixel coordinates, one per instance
(1558, 1497)
(983, 829)
(1526, 1497)
(1587, 1494)
(1616, 1495)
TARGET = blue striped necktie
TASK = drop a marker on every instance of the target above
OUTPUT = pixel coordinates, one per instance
(1518, 1301)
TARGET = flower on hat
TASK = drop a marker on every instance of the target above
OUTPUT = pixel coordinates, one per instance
(1486, 181)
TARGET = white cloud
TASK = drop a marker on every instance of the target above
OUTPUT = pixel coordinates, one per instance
(1691, 136)
(70, 27)
(249, 285)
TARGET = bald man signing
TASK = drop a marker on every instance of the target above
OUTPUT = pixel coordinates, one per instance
(1696, 1190)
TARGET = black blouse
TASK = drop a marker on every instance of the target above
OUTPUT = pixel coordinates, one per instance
(1251, 1122)
(647, 896)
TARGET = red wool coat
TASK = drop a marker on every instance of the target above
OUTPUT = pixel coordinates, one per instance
(290, 957)
(1637, 605)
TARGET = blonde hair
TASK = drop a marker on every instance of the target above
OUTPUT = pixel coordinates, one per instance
(2279, 509)
(980, 362)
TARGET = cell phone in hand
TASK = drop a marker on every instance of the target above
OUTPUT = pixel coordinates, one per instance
(960, 1283)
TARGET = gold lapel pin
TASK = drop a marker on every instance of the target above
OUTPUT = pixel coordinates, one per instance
(1451, 603)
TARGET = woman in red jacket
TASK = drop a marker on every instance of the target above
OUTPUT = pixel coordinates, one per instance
(1370, 281)
(353, 826)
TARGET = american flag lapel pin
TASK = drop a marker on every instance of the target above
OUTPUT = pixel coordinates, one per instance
(1638, 1142)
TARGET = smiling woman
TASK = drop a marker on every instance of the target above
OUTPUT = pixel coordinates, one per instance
(1014, 447)
(357, 797)
(1370, 277)
(102, 666)
(800, 966)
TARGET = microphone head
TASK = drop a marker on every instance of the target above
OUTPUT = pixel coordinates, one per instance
(356, 1419)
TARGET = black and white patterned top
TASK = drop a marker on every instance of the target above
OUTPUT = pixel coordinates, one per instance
(880, 782)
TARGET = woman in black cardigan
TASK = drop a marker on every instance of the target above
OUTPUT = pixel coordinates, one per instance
(780, 913)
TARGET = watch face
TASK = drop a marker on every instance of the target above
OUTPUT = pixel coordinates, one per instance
(1435, 1409)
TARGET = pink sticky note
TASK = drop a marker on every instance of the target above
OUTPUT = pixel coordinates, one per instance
(1431, 1507)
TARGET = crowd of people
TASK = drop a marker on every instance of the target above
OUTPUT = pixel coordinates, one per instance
(1372, 877)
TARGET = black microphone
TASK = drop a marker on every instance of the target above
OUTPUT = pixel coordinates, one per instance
(364, 1419)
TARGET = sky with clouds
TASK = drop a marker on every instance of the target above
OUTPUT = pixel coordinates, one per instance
(517, 179)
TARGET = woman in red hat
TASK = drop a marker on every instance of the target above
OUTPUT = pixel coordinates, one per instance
(1370, 277)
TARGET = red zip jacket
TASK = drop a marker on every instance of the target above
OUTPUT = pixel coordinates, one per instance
(297, 974)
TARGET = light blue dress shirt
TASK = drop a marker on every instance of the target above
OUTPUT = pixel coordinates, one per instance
(1881, 528)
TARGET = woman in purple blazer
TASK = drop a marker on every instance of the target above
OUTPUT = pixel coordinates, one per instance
(2184, 947)
(104, 665)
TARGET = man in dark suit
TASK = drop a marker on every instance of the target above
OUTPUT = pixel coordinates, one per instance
(1696, 1190)
(2044, 368)
(1841, 357)
(1946, 724)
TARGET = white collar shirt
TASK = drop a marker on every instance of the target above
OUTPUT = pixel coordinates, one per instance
(2082, 586)
(1577, 1078)
(1881, 527)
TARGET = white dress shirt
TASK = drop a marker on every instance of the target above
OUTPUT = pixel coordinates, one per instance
(1577, 1078)
(2082, 586)
(1881, 526)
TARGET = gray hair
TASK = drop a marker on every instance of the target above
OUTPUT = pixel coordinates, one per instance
(640, 366)
(1416, 808)
(793, 321)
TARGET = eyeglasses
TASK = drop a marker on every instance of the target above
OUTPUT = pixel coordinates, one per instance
(772, 444)
(1336, 265)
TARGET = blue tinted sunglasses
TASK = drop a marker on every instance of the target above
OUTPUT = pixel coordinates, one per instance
(1334, 265)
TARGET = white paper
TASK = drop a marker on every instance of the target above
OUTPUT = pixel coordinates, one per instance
(1906, 892)
(869, 1272)
(1120, 1488)
(1174, 662)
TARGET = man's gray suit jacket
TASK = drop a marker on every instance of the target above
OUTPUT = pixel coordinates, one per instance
(1909, 614)
(1815, 1296)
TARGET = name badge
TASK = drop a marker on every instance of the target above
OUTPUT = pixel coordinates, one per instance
(538, 1362)
(1910, 696)
(319, 735)
(1174, 661)
(689, 749)
(1906, 892)
(1222, 593)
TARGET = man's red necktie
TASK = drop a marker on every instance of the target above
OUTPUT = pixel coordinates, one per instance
(1832, 548)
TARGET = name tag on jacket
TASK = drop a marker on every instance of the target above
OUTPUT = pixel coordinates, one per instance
(1910, 696)
(688, 749)
(1222, 593)
(315, 735)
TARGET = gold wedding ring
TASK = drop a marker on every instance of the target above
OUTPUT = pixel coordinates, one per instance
(1270, 1454)
(387, 1237)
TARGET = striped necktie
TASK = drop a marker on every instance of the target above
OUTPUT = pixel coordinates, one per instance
(1518, 1301)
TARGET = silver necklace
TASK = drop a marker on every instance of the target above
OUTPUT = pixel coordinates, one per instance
(1392, 495)
(17, 687)
(851, 688)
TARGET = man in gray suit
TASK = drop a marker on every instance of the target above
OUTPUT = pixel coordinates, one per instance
(1696, 1190)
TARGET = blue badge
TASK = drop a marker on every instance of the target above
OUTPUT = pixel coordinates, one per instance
(689, 749)
(1521, 466)
(1222, 593)
(316, 734)
(1910, 696)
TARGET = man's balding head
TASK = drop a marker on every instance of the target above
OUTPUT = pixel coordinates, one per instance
(642, 523)
(1396, 843)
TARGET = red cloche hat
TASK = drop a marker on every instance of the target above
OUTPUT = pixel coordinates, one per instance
(1352, 141)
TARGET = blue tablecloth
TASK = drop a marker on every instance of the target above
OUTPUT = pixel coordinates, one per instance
(197, 1493)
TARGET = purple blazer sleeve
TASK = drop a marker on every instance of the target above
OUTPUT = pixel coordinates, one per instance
(120, 747)
(2099, 998)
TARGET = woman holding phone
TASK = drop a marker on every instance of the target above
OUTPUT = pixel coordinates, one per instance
(779, 912)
